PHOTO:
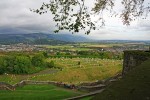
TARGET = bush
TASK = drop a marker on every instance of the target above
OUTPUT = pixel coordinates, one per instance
(51, 64)
(79, 63)
(22, 64)
(38, 60)
(2, 68)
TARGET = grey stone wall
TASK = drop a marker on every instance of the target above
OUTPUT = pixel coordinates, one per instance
(6, 86)
(133, 59)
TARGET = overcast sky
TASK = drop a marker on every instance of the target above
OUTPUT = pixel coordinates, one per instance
(15, 17)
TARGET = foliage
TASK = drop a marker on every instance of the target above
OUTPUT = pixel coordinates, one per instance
(38, 60)
(102, 55)
(45, 54)
(74, 15)
(138, 53)
(79, 62)
(51, 64)
(15, 64)
(90, 69)
(2, 68)
(64, 16)
(21, 63)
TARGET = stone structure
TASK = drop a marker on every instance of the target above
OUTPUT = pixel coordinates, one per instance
(133, 59)
(6, 86)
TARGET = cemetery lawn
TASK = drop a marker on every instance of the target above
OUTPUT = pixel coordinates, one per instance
(71, 71)
(38, 92)
(88, 70)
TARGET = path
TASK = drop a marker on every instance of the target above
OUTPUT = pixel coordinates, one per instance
(47, 71)
(85, 95)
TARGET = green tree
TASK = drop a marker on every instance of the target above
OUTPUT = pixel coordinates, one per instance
(22, 64)
(2, 67)
(51, 64)
(9, 63)
(45, 54)
(38, 60)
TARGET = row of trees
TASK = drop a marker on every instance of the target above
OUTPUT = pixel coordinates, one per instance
(22, 64)
(89, 54)
(102, 55)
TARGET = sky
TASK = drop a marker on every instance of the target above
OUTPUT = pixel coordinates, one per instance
(15, 17)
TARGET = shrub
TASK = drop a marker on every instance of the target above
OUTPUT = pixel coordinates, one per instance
(51, 64)
(38, 60)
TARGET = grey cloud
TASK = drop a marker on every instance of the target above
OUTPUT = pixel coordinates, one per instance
(16, 14)
(15, 17)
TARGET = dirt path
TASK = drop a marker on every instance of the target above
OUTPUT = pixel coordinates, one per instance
(47, 71)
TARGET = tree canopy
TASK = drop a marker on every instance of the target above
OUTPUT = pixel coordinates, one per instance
(75, 15)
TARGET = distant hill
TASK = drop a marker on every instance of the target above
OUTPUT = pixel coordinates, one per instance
(40, 38)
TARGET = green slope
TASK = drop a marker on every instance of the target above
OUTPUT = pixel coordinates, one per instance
(134, 86)
(38, 92)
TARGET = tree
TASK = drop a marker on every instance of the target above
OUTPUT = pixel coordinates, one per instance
(15, 64)
(2, 67)
(9, 63)
(45, 54)
(75, 15)
(51, 64)
(22, 64)
(38, 60)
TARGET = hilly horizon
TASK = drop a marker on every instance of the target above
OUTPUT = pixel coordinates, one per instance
(45, 38)
(34, 38)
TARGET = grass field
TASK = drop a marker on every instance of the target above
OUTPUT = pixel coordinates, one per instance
(82, 46)
(134, 86)
(67, 47)
(88, 70)
(38, 92)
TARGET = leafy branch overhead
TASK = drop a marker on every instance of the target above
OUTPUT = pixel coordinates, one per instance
(75, 15)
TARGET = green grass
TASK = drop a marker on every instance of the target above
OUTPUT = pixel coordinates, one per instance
(67, 47)
(134, 86)
(87, 98)
(13, 79)
(89, 70)
(38, 92)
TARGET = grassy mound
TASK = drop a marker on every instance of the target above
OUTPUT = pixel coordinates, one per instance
(134, 86)
(38, 92)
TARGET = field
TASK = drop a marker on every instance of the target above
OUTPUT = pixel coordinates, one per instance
(78, 70)
(82, 46)
(38, 92)
(75, 70)
(71, 71)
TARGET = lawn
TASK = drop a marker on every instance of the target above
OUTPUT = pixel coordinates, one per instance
(89, 70)
(38, 92)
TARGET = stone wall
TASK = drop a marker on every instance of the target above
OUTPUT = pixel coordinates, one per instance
(6, 86)
(133, 59)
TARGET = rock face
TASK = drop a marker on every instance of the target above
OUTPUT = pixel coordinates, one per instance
(133, 59)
